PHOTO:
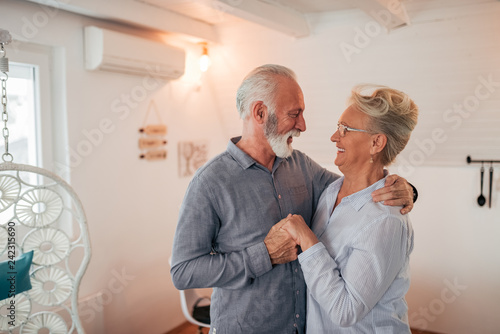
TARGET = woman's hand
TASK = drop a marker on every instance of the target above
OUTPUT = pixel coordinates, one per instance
(299, 231)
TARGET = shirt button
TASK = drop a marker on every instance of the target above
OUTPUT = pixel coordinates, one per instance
(296, 270)
(279, 196)
(294, 325)
(297, 291)
(296, 316)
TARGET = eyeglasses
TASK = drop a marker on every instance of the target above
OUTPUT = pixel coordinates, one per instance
(343, 129)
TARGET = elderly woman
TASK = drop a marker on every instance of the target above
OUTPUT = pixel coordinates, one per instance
(355, 259)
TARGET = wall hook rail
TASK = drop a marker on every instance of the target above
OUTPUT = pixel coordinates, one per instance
(470, 161)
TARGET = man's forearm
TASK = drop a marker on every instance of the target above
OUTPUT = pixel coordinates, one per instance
(232, 270)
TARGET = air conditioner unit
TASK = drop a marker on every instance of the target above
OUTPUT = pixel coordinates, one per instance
(112, 51)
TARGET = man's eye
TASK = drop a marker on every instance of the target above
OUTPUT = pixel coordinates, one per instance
(293, 115)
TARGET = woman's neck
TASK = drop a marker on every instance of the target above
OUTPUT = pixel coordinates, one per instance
(354, 182)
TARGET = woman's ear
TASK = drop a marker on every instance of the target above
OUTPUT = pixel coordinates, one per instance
(259, 112)
(378, 142)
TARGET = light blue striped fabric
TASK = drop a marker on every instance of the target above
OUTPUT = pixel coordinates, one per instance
(358, 275)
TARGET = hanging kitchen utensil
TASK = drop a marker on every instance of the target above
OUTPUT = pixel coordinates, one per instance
(481, 200)
(491, 185)
(491, 162)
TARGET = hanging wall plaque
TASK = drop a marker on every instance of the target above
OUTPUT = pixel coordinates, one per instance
(152, 138)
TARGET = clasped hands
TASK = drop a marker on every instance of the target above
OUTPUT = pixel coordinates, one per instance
(285, 238)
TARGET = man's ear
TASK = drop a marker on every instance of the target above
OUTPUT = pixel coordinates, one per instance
(259, 112)
(378, 142)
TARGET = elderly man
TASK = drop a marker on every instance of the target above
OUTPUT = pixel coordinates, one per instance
(224, 238)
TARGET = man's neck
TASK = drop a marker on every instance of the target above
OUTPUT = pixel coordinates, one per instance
(259, 151)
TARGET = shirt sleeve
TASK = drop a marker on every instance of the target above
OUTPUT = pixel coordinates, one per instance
(347, 294)
(194, 264)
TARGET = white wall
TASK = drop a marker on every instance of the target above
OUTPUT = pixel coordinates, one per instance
(455, 264)
(131, 205)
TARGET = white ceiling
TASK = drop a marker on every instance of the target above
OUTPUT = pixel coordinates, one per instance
(196, 20)
(315, 6)
(287, 16)
(199, 10)
(210, 11)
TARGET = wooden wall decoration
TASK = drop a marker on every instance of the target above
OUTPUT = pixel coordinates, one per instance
(152, 141)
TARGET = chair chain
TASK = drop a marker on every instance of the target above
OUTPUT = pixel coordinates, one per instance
(4, 68)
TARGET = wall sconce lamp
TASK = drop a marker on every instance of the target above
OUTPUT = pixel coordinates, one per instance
(204, 59)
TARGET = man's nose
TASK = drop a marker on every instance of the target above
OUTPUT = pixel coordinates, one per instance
(301, 123)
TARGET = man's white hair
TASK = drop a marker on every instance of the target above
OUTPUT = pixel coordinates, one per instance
(261, 85)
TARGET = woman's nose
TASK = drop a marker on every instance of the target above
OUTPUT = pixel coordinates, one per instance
(335, 137)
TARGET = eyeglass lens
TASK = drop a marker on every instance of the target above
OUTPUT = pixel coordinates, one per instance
(341, 129)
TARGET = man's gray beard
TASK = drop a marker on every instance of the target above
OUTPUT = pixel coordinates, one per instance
(279, 143)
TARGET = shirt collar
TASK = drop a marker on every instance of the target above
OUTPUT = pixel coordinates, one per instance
(360, 198)
(243, 159)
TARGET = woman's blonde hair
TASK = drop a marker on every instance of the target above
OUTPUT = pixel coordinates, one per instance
(391, 113)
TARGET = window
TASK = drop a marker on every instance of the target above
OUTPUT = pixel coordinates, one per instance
(37, 132)
(23, 113)
(40, 138)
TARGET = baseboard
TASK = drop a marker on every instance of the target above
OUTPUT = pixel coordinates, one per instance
(180, 328)
(420, 331)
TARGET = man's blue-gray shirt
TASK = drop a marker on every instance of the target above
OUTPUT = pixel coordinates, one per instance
(229, 207)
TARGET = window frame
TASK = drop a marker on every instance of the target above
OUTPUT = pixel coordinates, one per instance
(50, 94)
